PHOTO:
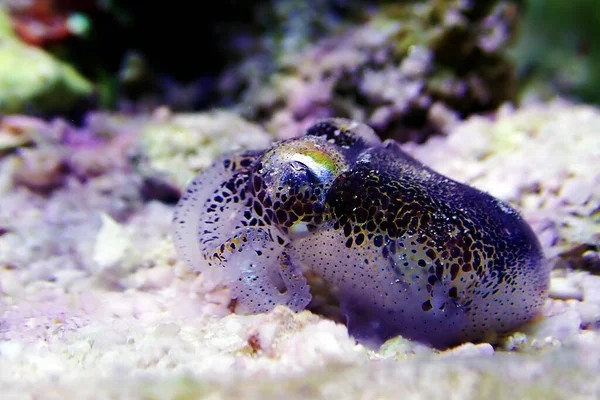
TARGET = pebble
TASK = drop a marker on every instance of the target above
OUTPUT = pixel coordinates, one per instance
(565, 289)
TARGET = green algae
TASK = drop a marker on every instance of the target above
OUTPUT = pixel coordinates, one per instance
(33, 80)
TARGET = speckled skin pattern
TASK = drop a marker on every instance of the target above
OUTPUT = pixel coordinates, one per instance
(407, 251)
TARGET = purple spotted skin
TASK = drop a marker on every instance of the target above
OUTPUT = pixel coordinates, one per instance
(407, 251)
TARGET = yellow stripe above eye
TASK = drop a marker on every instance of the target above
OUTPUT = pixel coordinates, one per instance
(322, 159)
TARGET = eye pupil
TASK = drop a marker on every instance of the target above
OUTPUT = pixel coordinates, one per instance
(298, 166)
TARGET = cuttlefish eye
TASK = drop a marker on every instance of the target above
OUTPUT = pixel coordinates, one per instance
(303, 163)
(298, 166)
(294, 179)
(306, 174)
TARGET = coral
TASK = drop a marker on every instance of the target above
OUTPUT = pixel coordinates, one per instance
(164, 150)
(41, 22)
(409, 59)
(291, 25)
(33, 80)
(557, 51)
(176, 146)
(66, 196)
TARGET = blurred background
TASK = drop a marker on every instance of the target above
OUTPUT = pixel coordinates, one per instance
(409, 68)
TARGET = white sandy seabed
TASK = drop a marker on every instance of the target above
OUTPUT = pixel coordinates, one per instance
(94, 308)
